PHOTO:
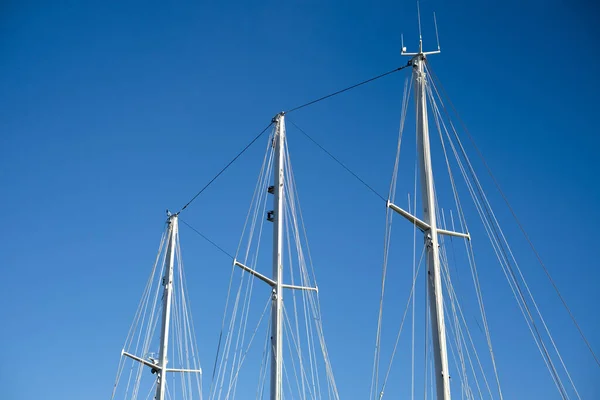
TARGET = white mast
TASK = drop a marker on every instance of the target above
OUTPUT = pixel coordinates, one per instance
(159, 367)
(277, 305)
(161, 381)
(276, 282)
(436, 301)
(429, 225)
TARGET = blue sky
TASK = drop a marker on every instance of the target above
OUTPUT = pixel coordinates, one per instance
(111, 112)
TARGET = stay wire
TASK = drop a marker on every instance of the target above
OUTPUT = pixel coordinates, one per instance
(537, 254)
(225, 167)
(287, 112)
(494, 231)
(338, 161)
(348, 88)
(207, 239)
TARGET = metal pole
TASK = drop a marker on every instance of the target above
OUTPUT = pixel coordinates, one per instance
(277, 299)
(161, 381)
(436, 302)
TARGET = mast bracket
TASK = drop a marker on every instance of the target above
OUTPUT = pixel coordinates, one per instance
(316, 289)
(270, 281)
(154, 366)
(452, 233)
(257, 274)
(196, 371)
(424, 226)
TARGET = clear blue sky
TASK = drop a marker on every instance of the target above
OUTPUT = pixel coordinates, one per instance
(111, 112)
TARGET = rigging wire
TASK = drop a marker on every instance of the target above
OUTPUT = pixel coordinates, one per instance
(258, 202)
(338, 161)
(386, 241)
(207, 239)
(497, 229)
(520, 225)
(494, 229)
(439, 124)
(348, 88)
(225, 167)
(461, 344)
(141, 339)
(287, 112)
(139, 317)
(408, 303)
(412, 337)
(309, 299)
(500, 251)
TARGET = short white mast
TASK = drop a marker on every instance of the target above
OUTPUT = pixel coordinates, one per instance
(276, 283)
(161, 382)
(277, 305)
(159, 366)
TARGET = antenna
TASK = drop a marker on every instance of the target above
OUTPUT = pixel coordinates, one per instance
(421, 52)
(402, 43)
(436, 31)
(419, 17)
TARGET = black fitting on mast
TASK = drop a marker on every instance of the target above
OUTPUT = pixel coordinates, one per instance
(276, 117)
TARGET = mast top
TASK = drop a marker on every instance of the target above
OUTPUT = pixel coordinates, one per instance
(421, 52)
(277, 117)
(171, 216)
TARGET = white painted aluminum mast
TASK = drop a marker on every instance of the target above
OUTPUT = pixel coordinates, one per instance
(436, 300)
(429, 224)
(277, 304)
(161, 383)
(160, 366)
(434, 279)
(276, 282)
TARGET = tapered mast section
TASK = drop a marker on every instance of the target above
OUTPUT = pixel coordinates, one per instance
(158, 365)
(277, 299)
(431, 232)
(161, 383)
(276, 281)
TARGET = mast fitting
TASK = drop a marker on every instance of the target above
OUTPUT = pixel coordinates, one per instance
(275, 119)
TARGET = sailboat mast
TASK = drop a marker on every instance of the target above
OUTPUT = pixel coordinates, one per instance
(436, 301)
(161, 383)
(159, 366)
(277, 299)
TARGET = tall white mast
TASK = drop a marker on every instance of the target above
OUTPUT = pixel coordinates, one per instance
(277, 305)
(429, 224)
(161, 381)
(436, 301)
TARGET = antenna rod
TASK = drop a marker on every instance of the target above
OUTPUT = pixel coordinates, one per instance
(437, 37)
(277, 299)
(419, 18)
